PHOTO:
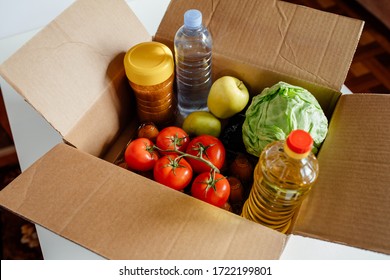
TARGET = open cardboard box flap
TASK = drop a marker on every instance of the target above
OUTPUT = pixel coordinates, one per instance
(121, 215)
(75, 79)
(350, 202)
(72, 72)
(286, 38)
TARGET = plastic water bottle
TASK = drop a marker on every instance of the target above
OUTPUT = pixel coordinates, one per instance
(283, 177)
(193, 46)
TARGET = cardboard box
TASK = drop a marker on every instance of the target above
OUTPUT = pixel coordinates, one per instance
(72, 73)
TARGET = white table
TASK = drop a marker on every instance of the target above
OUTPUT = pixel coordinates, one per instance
(33, 136)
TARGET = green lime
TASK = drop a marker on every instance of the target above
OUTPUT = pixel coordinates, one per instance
(202, 122)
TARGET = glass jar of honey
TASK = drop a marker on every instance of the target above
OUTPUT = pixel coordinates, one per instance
(149, 68)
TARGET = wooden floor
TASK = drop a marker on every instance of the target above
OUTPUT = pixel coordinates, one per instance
(369, 73)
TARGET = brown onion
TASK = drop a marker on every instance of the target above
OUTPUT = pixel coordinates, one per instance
(148, 130)
(242, 168)
(236, 190)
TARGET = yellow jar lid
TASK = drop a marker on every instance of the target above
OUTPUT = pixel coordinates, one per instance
(148, 63)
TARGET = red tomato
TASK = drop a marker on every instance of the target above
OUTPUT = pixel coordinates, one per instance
(140, 155)
(173, 171)
(171, 138)
(209, 148)
(212, 188)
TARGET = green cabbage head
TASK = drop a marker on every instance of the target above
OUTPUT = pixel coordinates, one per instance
(277, 111)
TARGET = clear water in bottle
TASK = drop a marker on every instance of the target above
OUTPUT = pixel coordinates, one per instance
(283, 177)
(193, 57)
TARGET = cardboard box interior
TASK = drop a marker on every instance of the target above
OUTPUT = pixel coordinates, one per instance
(75, 78)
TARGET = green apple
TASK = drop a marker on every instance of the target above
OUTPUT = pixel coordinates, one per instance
(202, 122)
(228, 96)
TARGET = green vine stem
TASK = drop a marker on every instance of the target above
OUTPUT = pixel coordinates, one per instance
(182, 154)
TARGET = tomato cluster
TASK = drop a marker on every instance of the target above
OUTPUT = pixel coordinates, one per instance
(178, 161)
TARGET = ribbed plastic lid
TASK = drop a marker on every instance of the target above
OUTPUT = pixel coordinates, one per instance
(192, 19)
(149, 63)
(299, 141)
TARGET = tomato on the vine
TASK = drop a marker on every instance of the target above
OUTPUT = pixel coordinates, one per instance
(209, 148)
(173, 171)
(212, 188)
(172, 138)
(140, 155)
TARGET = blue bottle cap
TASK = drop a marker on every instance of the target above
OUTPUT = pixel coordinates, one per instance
(192, 19)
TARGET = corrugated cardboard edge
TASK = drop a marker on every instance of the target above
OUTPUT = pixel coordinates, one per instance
(72, 72)
(350, 202)
(294, 40)
(121, 215)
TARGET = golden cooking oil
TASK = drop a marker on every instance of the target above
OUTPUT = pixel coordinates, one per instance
(284, 175)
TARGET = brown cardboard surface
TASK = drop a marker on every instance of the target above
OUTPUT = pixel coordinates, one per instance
(75, 78)
(72, 71)
(257, 78)
(293, 40)
(350, 202)
(121, 215)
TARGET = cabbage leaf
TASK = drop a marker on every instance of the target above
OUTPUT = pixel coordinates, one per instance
(278, 110)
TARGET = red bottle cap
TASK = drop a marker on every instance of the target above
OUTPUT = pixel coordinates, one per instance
(299, 141)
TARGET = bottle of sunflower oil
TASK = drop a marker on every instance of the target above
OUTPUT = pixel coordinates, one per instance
(283, 177)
